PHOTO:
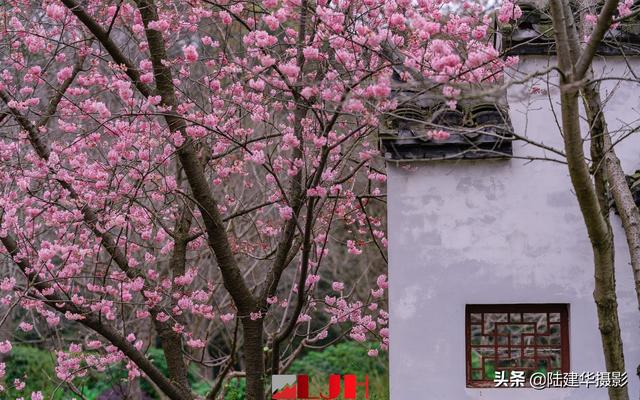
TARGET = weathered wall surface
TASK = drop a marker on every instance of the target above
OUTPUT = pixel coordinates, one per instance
(474, 232)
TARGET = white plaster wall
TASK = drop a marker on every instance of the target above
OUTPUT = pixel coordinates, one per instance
(474, 232)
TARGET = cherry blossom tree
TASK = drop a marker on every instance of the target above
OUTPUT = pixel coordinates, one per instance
(197, 172)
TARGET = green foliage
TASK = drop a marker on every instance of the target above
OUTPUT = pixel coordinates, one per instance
(36, 368)
(156, 355)
(342, 358)
(235, 389)
(201, 387)
(157, 358)
(346, 358)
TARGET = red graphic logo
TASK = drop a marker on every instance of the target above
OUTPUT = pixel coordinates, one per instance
(296, 387)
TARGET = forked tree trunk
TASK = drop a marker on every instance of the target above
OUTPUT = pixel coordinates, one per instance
(591, 195)
(601, 242)
(605, 281)
(621, 192)
(615, 177)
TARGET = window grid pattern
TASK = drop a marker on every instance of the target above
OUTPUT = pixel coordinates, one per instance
(515, 337)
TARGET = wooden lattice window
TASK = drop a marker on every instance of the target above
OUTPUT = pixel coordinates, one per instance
(515, 337)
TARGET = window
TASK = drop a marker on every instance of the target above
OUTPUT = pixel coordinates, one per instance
(515, 337)
(477, 129)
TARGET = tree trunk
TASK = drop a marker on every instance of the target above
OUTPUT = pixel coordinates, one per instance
(591, 197)
(253, 358)
(171, 343)
(622, 195)
(601, 241)
(617, 183)
(605, 279)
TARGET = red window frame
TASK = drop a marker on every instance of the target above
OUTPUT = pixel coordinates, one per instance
(510, 310)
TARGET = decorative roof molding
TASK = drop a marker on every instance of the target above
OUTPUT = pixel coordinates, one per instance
(478, 128)
(532, 34)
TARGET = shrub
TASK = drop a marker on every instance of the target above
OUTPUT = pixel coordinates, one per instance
(346, 358)
(36, 368)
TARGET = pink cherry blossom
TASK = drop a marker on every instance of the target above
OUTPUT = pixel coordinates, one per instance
(55, 11)
(286, 212)
(382, 282)
(162, 317)
(5, 346)
(7, 284)
(18, 384)
(225, 17)
(227, 317)
(352, 248)
(255, 315)
(439, 135)
(304, 318)
(190, 53)
(64, 74)
(195, 343)
(25, 326)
